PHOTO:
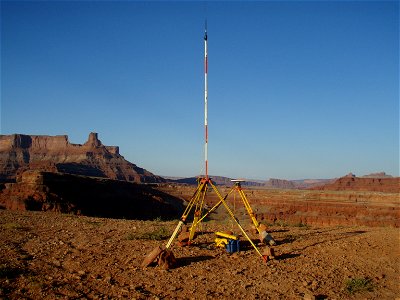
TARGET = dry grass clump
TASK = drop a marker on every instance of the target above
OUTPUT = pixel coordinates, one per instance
(157, 234)
(356, 285)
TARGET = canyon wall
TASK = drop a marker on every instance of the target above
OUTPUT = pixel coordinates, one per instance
(19, 152)
(304, 207)
(100, 197)
(353, 183)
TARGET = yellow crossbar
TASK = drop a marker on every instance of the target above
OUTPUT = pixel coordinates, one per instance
(225, 235)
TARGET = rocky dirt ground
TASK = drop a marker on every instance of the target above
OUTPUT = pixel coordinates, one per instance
(59, 256)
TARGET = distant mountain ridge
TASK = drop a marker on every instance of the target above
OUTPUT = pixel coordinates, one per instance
(218, 180)
(20, 152)
(377, 175)
(275, 183)
(375, 182)
(272, 183)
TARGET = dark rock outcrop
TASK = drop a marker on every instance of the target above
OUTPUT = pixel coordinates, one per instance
(19, 152)
(100, 197)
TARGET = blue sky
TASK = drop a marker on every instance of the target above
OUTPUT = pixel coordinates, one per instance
(296, 89)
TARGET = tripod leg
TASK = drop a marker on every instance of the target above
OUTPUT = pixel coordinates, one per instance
(265, 237)
(234, 218)
(198, 211)
(248, 207)
(174, 234)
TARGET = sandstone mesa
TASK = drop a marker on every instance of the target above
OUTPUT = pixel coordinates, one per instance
(20, 152)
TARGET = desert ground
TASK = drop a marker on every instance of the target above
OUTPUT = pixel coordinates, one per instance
(46, 255)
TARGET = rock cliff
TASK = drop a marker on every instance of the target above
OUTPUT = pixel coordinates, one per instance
(217, 180)
(300, 207)
(101, 197)
(274, 183)
(377, 175)
(280, 184)
(353, 183)
(19, 152)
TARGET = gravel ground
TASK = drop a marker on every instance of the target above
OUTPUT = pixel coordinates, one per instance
(56, 256)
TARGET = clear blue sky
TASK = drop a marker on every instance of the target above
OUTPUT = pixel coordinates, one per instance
(296, 89)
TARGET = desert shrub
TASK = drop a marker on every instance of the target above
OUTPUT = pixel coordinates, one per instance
(14, 226)
(356, 285)
(93, 223)
(302, 225)
(281, 223)
(158, 234)
(130, 236)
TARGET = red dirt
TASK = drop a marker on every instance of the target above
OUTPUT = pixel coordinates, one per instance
(49, 256)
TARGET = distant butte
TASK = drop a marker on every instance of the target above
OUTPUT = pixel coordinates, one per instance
(20, 152)
(376, 182)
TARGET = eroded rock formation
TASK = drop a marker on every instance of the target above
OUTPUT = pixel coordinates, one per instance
(377, 175)
(65, 193)
(280, 184)
(306, 207)
(353, 183)
(324, 208)
(19, 152)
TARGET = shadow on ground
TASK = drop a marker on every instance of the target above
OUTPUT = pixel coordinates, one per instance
(185, 261)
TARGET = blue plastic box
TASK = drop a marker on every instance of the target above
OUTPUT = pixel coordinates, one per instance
(232, 246)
